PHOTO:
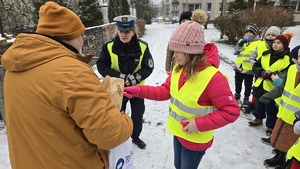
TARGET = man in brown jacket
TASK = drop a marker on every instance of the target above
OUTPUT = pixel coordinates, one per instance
(58, 115)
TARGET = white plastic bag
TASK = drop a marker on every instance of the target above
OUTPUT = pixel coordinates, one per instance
(121, 157)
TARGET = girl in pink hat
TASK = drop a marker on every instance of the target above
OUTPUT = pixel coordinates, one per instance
(200, 97)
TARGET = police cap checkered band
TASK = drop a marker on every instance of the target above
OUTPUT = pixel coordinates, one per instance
(125, 22)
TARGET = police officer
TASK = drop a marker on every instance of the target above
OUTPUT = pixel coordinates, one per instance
(128, 57)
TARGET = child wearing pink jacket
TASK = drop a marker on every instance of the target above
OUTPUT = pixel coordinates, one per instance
(200, 97)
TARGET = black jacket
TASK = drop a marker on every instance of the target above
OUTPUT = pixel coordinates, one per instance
(128, 56)
(257, 69)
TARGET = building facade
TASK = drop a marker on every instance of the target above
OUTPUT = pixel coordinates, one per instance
(173, 8)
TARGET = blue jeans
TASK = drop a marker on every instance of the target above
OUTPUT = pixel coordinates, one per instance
(185, 158)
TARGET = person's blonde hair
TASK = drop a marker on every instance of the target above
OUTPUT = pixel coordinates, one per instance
(199, 16)
(193, 63)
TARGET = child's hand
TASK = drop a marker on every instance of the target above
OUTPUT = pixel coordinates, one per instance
(274, 77)
(244, 40)
(189, 126)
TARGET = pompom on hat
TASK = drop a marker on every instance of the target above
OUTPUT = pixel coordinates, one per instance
(285, 39)
(188, 38)
(59, 21)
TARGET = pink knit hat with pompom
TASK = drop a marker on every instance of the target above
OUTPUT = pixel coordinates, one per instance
(188, 38)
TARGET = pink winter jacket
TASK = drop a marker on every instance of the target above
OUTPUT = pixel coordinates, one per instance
(217, 93)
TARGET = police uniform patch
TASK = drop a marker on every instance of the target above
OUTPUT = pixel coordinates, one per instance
(150, 63)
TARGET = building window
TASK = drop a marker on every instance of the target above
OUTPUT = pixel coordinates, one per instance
(208, 7)
(220, 7)
(294, 6)
(193, 7)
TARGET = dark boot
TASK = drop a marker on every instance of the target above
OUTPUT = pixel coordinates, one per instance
(266, 140)
(246, 102)
(248, 109)
(256, 122)
(139, 143)
(286, 165)
(269, 131)
(237, 96)
(277, 160)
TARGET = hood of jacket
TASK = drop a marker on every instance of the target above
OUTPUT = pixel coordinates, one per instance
(31, 50)
(212, 54)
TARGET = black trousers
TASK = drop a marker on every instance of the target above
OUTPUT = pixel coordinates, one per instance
(271, 109)
(137, 111)
(248, 81)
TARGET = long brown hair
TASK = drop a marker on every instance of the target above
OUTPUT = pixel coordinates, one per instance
(193, 63)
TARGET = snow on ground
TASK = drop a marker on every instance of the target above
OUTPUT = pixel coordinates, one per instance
(236, 146)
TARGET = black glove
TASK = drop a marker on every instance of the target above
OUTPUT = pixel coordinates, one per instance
(131, 79)
(236, 69)
(297, 115)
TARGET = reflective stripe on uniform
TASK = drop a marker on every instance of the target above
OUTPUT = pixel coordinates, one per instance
(115, 58)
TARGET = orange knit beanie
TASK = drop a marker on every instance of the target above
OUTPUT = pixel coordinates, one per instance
(58, 21)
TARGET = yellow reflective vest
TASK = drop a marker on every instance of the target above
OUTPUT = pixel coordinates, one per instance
(290, 98)
(261, 47)
(244, 57)
(277, 66)
(115, 59)
(294, 151)
(184, 104)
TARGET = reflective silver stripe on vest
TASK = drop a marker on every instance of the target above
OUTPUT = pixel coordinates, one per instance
(176, 116)
(244, 55)
(195, 111)
(292, 97)
(288, 95)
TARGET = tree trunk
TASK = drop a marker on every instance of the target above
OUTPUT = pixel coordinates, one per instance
(222, 14)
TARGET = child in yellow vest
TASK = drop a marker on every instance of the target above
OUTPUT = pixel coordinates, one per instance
(243, 67)
(196, 107)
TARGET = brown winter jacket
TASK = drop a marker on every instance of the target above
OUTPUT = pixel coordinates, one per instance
(58, 115)
(283, 136)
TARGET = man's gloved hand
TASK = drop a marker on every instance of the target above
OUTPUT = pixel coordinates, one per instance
(131, 91)
(266, 75)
